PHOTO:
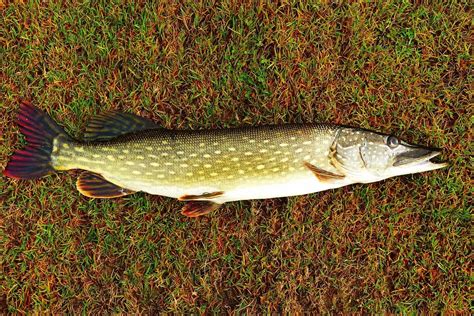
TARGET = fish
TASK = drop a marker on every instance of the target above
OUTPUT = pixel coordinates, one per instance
(122, 153)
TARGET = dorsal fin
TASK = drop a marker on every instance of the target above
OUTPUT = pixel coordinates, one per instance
(111, 124)
(94, 185)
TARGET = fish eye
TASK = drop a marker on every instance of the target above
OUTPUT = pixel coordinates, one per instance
(392, 141)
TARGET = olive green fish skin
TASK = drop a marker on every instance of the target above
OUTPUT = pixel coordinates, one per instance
(125, 153)
(221, 159)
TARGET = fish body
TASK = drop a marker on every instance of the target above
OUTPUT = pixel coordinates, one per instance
(244, 163)
(123, 153)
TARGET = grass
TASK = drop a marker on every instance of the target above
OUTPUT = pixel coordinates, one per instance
(400, 245)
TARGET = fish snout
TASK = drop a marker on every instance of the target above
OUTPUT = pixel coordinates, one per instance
(420, 157)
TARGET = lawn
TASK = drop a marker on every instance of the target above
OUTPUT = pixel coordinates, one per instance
(399, 245)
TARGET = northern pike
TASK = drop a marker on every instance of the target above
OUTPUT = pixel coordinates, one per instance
(122, 153)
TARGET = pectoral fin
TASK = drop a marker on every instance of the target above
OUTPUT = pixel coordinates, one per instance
(95, 186)
(323, 175)
(198, 208)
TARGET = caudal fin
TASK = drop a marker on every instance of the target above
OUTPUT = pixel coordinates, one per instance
(34, 160)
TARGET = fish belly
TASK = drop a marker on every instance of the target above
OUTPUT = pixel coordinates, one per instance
(300, 184)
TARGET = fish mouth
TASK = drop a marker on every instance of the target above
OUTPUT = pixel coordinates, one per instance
(422, 158)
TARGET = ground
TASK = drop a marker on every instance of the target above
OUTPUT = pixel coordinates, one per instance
(399, 245)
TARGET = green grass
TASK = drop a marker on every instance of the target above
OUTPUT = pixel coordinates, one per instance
(400, 245)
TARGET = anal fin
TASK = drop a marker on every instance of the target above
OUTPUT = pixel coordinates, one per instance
(95, 186)
(199, 208)
(323, 175)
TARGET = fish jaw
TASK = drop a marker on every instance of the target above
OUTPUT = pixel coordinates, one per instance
(423, 163)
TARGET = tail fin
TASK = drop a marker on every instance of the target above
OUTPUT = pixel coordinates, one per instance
(40, 130)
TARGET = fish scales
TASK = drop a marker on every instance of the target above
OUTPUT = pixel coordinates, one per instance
(220, 159)
(122, 153)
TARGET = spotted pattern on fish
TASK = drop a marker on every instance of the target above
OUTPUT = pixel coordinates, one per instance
(194, 152)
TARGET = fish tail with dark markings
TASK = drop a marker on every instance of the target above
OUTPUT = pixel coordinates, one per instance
(34, 160)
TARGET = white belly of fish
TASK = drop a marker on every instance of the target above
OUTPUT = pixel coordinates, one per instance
(299, 184)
